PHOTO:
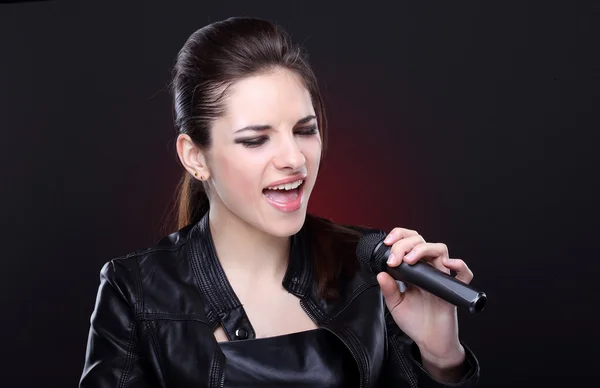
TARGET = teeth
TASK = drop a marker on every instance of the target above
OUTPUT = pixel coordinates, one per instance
(287, 186)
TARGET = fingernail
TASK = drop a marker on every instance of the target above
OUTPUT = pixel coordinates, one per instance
(391, 259)
(410, 255)
(387, 239)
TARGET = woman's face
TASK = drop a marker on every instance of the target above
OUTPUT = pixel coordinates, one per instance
(265, 153)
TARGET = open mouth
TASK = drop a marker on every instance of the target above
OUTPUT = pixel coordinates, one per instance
(285, 193)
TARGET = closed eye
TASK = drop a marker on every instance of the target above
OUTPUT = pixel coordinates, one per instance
(307, 131)
(252, 142)
(260, 140)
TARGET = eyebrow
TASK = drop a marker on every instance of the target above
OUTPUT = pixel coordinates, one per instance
(303, 120)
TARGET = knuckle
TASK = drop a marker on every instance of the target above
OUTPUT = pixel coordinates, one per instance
(406, 231)
(398, 231)
(400, 249)
(412, 232)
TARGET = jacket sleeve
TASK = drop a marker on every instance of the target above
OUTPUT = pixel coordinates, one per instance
(403, 366)
(112, 355)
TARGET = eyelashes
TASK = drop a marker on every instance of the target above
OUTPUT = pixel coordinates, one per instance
(251, 143)
(260, 140)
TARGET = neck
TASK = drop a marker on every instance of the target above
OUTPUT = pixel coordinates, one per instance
(246, 252)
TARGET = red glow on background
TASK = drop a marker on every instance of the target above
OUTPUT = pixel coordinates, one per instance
(363, 179)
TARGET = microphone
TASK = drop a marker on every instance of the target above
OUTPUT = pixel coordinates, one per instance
(372, 252)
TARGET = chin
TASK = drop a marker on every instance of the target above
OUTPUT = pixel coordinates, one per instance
(287, 226)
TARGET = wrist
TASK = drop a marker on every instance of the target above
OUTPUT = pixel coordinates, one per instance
(447, 367)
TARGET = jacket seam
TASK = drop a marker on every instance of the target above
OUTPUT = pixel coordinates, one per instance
(171, 317)
(130, 353)
(216, 368)
(198, 283)
(363, 288)
(139, 299)
(152, 332)
(146, 251)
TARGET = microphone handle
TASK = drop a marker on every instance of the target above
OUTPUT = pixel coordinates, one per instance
(440, 284)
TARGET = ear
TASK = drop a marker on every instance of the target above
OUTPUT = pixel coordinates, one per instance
(192, 158)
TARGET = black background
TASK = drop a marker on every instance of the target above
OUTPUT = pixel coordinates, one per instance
(473, 122)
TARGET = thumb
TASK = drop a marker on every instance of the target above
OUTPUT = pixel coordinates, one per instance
(389, 289)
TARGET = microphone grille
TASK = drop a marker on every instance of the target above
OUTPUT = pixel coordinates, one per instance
(365, 250)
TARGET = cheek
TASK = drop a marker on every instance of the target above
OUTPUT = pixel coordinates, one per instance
(235, 177)
(312, 152)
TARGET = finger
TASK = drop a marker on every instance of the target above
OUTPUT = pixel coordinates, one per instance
(398, 234)
(389, 289)
(426, 250)
(463, 272)
(401, 248)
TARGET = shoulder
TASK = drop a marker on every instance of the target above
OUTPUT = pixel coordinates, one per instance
(129, 272)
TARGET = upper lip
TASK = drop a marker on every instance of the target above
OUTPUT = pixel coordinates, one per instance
(290, 179)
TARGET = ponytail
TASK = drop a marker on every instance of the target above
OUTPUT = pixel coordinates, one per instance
(192, 201)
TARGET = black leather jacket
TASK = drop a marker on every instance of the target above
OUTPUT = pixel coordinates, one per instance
(156, 311)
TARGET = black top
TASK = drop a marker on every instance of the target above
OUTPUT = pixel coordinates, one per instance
(313, 358)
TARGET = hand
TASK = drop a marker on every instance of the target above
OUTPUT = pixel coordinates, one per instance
(428, 320)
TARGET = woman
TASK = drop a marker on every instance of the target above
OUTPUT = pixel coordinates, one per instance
(251, 290)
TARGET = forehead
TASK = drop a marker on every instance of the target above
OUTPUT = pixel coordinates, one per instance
(276, 97)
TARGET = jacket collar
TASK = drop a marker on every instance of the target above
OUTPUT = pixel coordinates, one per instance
(221, 301)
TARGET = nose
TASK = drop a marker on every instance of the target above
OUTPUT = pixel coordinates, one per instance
(289, 155)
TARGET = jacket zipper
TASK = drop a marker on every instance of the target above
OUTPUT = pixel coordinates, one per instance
(363, 370)
(405, 368)
(310, 313)
(362, 367)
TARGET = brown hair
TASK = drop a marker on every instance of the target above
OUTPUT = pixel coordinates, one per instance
(213, 58)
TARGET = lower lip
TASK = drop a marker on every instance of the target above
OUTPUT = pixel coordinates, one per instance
(288, 207)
